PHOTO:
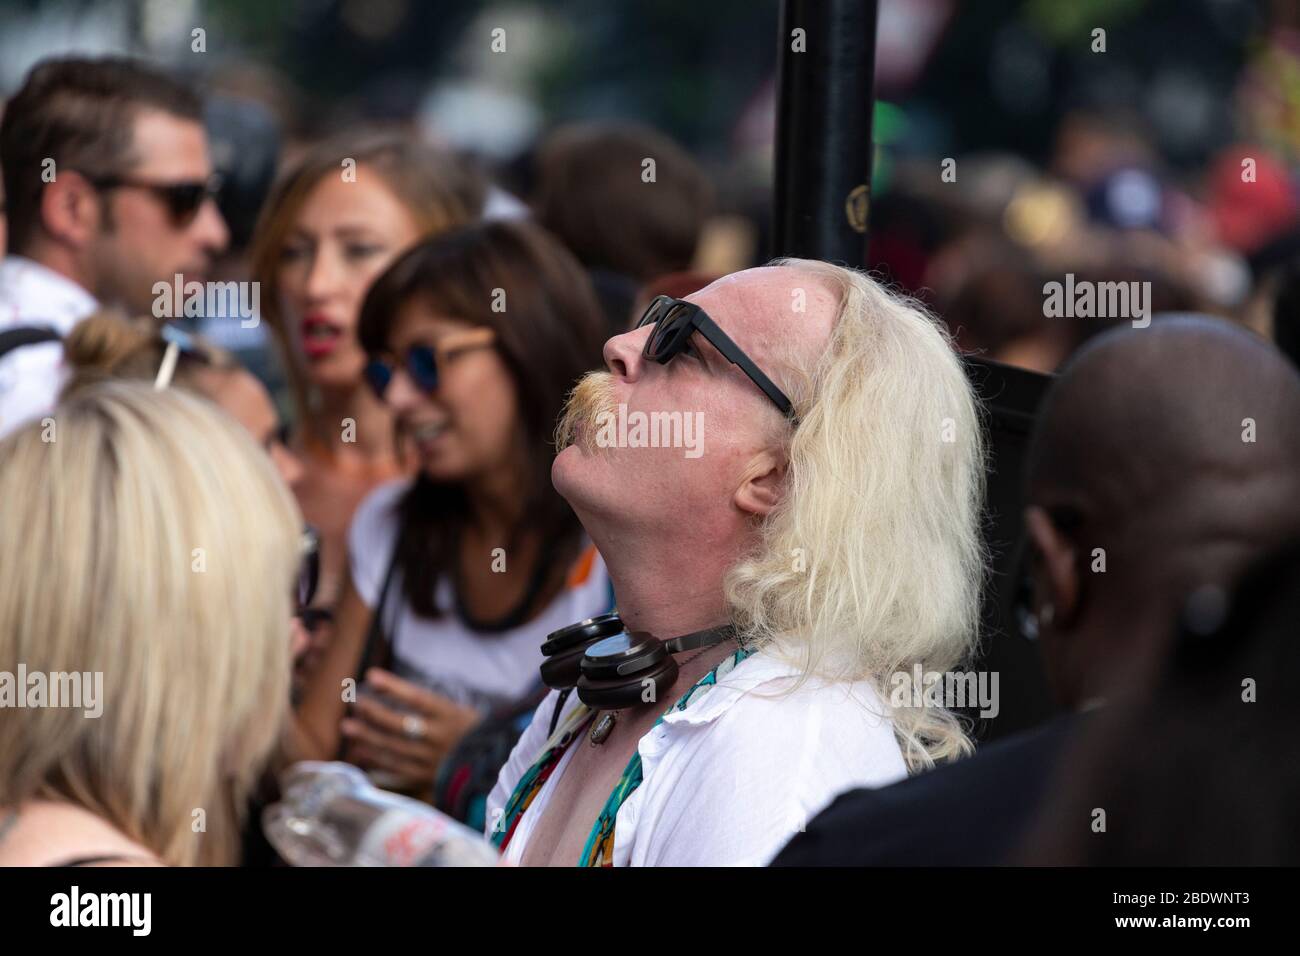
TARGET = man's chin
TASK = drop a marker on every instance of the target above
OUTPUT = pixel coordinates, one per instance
(571, 473)
(196, 271)
(562, 468)
(582, 479)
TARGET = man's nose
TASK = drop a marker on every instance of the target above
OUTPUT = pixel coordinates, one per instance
(209, 229)
(623, 354)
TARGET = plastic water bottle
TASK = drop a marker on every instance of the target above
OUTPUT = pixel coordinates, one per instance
(332, 815)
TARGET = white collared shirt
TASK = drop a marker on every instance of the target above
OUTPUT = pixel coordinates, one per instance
(31, 376)
(729, 780)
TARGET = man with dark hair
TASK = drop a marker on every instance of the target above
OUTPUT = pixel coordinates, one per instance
(108, 190)
(1198, 775)
(1165, 461)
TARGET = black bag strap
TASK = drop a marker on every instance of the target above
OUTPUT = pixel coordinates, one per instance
(377, 642)
(16, 338)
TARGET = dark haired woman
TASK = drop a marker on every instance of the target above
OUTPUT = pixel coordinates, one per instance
(456, 576)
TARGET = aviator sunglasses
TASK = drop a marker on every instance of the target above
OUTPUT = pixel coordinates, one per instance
(183, 199)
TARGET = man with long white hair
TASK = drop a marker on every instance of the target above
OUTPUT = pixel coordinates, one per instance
(1165, 460)
(817, 534)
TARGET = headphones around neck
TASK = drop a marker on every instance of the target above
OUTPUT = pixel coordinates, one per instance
(612, 668)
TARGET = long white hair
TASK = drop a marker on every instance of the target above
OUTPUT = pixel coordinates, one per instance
(874, 561)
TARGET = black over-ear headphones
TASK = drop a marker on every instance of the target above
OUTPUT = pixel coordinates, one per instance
(564, 648)
(609, 666)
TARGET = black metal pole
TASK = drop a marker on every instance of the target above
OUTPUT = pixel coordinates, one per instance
(823, 129)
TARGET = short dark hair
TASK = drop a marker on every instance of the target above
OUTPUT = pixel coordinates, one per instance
(80, 113)
(590, 193)
(551, 337)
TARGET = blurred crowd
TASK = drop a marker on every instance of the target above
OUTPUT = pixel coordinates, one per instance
(353, 439)
(980, 246)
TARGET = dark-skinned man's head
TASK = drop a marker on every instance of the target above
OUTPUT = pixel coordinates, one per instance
(1165, 460)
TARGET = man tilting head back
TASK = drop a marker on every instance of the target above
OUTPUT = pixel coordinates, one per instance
(822, 494)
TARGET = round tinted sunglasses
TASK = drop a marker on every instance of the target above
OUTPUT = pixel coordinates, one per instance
(676, 320)
(423, 362)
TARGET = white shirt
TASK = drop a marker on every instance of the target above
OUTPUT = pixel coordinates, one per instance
(31, 376)
(729, 780)
(480, 670)
(499, 204)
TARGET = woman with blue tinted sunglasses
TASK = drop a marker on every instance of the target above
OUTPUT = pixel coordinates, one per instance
(456, 576)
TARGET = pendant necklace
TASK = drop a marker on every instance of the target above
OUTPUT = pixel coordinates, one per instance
(606, 719)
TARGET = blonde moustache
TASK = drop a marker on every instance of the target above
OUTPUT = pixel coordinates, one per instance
(592, 396)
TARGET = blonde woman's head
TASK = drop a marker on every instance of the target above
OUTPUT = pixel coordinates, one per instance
(147, 539)
(110, 344)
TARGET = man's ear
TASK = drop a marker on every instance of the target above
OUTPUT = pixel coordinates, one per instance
(763, 484)
(70, 209)
(1057, 565)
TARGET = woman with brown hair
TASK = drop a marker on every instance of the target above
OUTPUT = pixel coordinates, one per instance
(337, 217)
(458, 574)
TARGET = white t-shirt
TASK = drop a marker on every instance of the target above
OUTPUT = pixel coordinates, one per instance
(31, 376)
(729, 780)
(478, 669)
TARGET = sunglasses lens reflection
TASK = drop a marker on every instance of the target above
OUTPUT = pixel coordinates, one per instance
(654, 345)
(423, 365)
(669, 334)
(185, 199)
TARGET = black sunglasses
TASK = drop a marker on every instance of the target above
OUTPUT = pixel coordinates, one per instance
(312, 618)
(421, 363)
(308, 570)
(183, 199)
(675, 320)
